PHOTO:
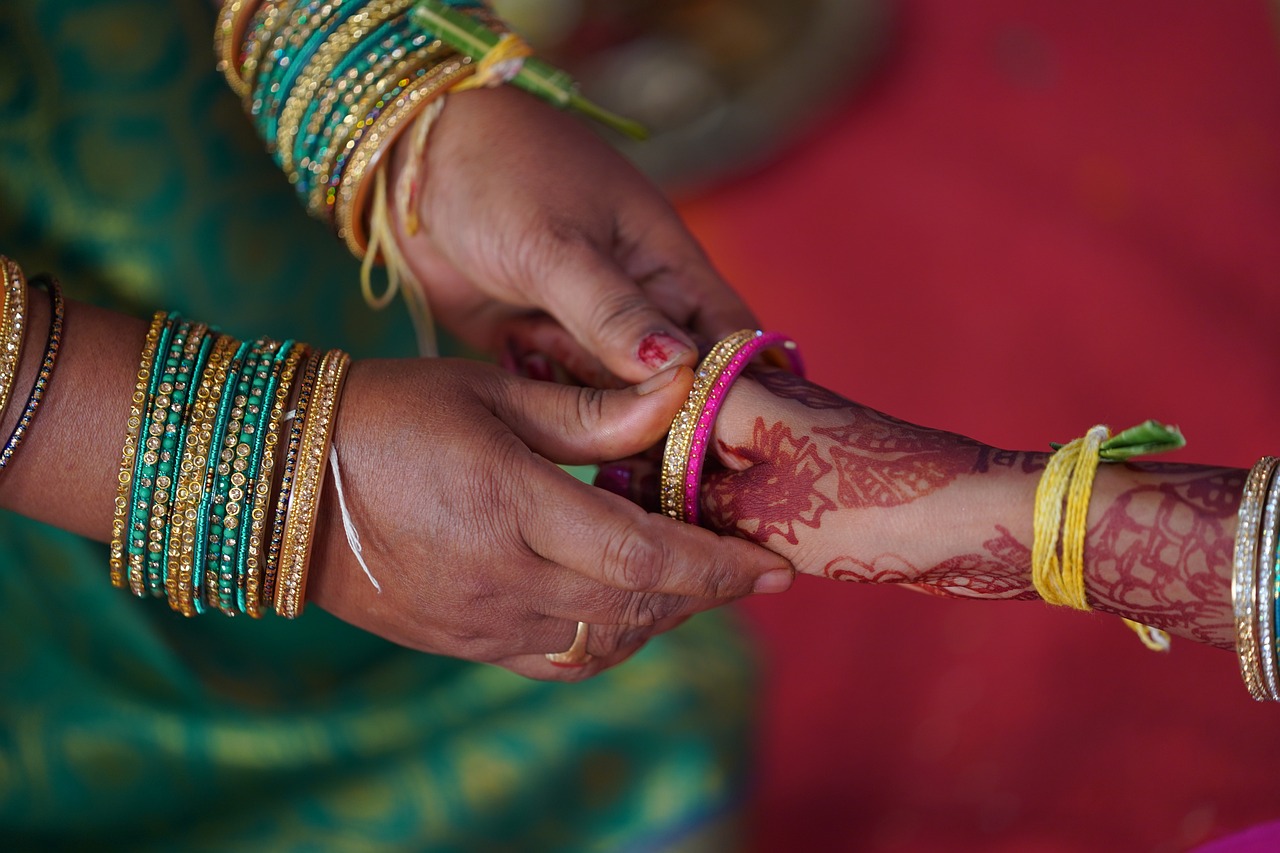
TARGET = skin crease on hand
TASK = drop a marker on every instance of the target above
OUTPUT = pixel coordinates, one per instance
(537, 235)
(485, 550)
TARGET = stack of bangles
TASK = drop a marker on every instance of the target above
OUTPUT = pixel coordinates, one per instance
(330, 84)
(209, 426)
(690, 435)
(1255, 581)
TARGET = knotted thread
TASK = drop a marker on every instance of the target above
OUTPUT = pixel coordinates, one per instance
(1062, 511)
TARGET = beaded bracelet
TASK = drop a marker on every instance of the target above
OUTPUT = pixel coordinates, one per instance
(271, 571)
(686, 448)
(13, 324)
(47, 363)
(221, 459)
(304, 500)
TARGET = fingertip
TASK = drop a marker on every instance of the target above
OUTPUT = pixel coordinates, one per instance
(664, 348)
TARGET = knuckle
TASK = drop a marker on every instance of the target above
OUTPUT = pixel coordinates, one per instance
(590, 408)
(648, 610)
(634, 562)
(617, 308)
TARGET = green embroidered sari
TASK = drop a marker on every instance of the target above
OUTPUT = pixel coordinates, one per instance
(127, 169)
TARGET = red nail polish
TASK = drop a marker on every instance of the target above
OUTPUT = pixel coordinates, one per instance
(660, 350)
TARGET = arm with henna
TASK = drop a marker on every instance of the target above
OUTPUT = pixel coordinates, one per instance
(851, 494)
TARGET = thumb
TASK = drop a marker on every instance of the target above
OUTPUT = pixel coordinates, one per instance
(581, 426)
(610, 315)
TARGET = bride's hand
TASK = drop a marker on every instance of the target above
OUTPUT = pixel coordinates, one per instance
(848, 493)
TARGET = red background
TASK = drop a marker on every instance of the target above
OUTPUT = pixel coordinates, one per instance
(1037, 217)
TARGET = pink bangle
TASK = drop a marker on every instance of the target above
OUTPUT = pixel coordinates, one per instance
(686, 449)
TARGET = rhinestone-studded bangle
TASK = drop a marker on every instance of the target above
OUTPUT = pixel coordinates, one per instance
(691, 430)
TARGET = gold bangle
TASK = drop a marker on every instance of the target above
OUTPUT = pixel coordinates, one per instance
(227, 37)
(191, 482)
(675, 458)
(13, 327)
(336, 46)
(304, 501)
(1244, 574)
(266, 21)
(124, 481)
(353, 190)
(320, 201)
(262, 487)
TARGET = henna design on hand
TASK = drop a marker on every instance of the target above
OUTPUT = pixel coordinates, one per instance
(1162, 554)
(1001, 572)
(885, 462)
(778, 492)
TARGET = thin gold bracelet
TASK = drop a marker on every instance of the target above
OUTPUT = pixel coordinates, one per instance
(304, 501)
(255, 563)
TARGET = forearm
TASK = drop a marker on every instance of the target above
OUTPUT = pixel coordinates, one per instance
(852, 494)
(65, 471)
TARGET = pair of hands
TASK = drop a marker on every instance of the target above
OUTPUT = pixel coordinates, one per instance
(536, 240)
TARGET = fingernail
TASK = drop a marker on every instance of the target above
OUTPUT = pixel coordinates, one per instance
(778, 580)
(616, 479)
(660, 350)
(657, 382)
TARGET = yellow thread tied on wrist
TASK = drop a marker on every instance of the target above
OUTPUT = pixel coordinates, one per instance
(1062, 510)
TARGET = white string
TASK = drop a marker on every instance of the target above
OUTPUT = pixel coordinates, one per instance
(348, 524)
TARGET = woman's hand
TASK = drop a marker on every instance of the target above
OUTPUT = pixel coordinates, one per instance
(848, 493)
(536, 236)
(852, 494)
(486, 550)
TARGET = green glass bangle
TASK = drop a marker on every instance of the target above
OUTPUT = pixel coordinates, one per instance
(343, 42)
(301, 38)
(360, 69)
(173, 398)
(222, 376)
(254, 434)
(210, 534)
(251, 389)
(258, 37)
(191, 485)
(149, 451)
(224, 519)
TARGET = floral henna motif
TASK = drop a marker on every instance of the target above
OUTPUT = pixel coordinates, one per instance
(884, 462)
(1165, 551)
(1002, 572)
(778, 492)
